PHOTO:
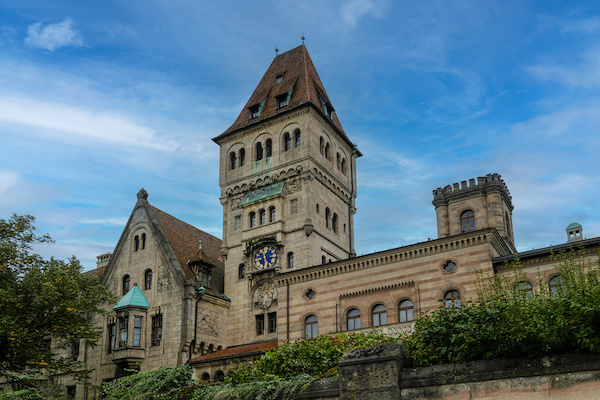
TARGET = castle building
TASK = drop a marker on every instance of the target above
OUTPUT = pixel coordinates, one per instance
(286, 268)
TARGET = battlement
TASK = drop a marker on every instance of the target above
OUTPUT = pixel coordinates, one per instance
(484, 184)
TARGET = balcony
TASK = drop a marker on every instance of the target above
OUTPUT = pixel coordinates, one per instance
(128, 357)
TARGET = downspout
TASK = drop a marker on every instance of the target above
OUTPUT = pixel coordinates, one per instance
(201, 292)
(287, 314)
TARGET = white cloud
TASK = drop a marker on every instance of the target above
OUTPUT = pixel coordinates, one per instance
(354, 10)
(105, 221)
(53, 36)
(66, 121)
(586, 26)
(583, 75)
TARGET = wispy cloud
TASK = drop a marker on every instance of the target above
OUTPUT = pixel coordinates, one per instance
(53, 36)
(582, 75)
(354, 10)
(585, 26)
(104, 221)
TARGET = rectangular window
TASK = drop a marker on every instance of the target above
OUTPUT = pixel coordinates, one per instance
(156, 329)
(75, 350)
(137, 331)
(272, 319)
(260, 324)
(123, 326)
(112, 337)
(282, 100)
(71, 391)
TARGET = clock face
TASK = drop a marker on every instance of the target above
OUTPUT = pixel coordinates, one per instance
(265, 257)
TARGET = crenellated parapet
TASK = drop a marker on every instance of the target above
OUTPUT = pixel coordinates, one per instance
(491, 183)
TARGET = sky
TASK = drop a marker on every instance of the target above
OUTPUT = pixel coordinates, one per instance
(99, 99)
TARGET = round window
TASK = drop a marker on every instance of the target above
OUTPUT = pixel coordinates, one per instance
(310, 294)
(449, 266)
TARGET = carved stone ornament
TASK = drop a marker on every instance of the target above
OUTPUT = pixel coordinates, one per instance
(265, 295)
(308, 227)
(235, 204)
(294, 185)
(142, 194)
(207, 322)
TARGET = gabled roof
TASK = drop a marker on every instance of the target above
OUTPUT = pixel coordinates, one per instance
(245, 350)
(134, 298)
(298, 75)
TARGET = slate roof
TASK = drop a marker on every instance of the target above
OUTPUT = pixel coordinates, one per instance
(245, 350)
(135, 297)
(298, 73)
(184, 240)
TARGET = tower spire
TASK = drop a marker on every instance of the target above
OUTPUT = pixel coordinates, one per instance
(303, 38)
(276, 50)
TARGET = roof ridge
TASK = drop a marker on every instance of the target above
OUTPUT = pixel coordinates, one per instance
(178, 220)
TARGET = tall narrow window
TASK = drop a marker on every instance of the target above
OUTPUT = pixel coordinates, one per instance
(232, 160)
(272, 322)
(148, 279)
(323, 259)
(311, 326)
(379, 315)
(322, 146)
(252, 219)
(287, 142)
(156, 329)
(143, 241)
(344, 166)
(290, 258)
(242, 157)
(241, 271)
(405, 311)
(467, 221)
(123, 327)
(126, 281)
(353, 318)
(75, 350)
(137, 331)
(297, 138)
(339, 161)
(259, 151)
(260, 324)
(328, 151)
(269, 148)
(272, 214)
(452, 298)
(262, 217)
(136, 243)
(112, 337)
(327, 217)
(554, 284)
(334, 223)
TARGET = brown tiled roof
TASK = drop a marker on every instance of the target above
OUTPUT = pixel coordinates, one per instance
(298, 73)
(184, 239)
(245, 350)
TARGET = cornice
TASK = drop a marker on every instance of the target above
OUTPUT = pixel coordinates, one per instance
(399, 285)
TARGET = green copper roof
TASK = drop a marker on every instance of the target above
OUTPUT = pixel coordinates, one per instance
(573, 226)
(262, 193)
(134, 298)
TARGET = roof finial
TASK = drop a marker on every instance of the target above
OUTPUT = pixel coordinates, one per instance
(303, 38)
(276, 50)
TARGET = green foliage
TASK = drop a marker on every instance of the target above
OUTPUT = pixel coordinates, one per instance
(317, 357)
(41, 299)
(164, 383)
(515, 323)
(25, 394)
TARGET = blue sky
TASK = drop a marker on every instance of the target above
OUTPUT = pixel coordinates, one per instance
(99, 99)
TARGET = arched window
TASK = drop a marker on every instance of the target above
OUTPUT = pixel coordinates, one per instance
(269, 147)
(353, 318)
(143, 241)
(554, 284)
(405, 311)
(232, 160)
(211, 348)
(136, 243)
(219, 376)
(379, 315)
(508, 231)
(287, 142)
(259, 151)
(148, 279)
(206, 377)
(241, 271)
(297, 138)
(311, 326)
(323, 259)
(322, 146)
(262, 217)
(524, 288)
(272, 214)
(467, 221)
(252, 219)
(242, 157)
(327, 217)
(339, 161)
(290, 258)
(328, 151)
(344, 166)
(334, 223)
(452, 298)
(126, 281)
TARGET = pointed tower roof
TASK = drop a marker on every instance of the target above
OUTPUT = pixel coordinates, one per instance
(134, 298)
(293, 74)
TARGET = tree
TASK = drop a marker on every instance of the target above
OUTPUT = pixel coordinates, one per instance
(42, 302)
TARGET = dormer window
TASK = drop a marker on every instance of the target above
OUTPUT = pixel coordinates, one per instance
(279, 79)
(254, 112)
(327, 108)
(282, 100)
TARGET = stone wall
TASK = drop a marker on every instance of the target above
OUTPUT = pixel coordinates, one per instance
(382, 373)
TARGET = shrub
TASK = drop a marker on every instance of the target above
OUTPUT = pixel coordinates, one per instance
(163, 383)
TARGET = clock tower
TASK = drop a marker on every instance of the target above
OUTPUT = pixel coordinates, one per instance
(288, 189)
